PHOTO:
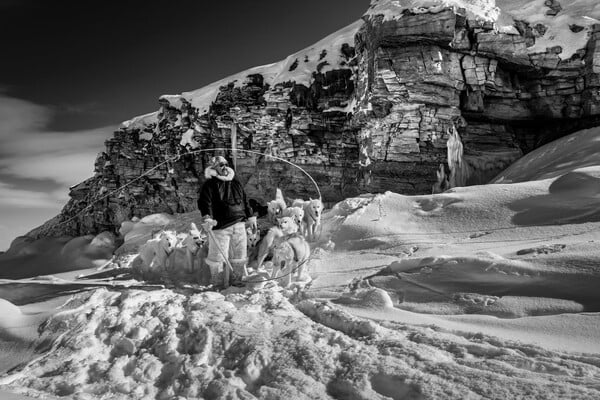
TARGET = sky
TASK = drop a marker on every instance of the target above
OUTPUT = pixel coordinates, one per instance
(72, 71)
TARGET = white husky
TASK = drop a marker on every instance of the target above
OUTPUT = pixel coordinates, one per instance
(288, 256)
(155, 252)
(297, 213)
(275, 207)
(313, 209)
(286, 227)
(192, 243)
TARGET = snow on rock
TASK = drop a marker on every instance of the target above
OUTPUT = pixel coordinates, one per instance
(392, 9)
(567, 25)
(566, 32)
(557, 27)
(173, 100)
(141, 121)
(187, 139)
(322, 56)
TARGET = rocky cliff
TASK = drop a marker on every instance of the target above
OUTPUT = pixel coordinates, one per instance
(367, 109)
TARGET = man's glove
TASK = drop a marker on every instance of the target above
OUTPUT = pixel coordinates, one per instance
(251, 223)
(208, 223)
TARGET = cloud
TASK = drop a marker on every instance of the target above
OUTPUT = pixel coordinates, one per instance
(27, 150)
(66, 158)
(12, 197)
(37, 166)
(20, 116)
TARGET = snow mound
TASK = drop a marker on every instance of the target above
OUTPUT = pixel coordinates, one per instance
(579, 150)
(27, 257)
(164, 345)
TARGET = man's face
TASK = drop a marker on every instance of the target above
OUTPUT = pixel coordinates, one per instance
(221, 169)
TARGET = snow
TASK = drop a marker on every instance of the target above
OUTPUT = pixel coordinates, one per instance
(26, 258)
(485, 291)
(504, 13)
(551, 160)
(141, 121)
(584, 13)
(392, 9)
(479, 292)
(279, 72)
(273, 73)
(187, 139)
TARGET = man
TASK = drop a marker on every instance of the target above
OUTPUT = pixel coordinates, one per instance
(223, 205)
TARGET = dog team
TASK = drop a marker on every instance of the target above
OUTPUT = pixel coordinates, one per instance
(229, 239)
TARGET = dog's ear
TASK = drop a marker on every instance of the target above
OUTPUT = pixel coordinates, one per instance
(279, 195)
(193, 227)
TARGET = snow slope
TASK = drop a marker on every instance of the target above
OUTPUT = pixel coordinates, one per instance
(324, 56)
(552, 160)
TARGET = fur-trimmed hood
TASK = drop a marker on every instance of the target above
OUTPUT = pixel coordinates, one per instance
(212, 173)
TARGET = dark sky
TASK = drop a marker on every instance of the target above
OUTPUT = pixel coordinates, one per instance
(71, 71)
(101, 62)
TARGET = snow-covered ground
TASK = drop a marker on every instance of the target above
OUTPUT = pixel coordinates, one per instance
(479, 292)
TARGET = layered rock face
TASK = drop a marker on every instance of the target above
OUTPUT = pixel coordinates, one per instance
(426, 72)
(367, 110)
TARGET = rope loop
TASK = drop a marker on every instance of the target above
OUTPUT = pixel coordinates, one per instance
(177, 157)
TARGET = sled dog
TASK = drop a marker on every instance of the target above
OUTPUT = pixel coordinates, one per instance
(313, 209)
(289, 256)
(285, 227)
(192, 243)
(155, 252)
(297, 213)
(275, 207)
(252, 241)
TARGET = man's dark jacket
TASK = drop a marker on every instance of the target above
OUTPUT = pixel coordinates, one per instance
(224, 201)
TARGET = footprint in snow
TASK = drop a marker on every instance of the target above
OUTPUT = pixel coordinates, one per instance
(478, 234)
(475, 298)
(545, 249)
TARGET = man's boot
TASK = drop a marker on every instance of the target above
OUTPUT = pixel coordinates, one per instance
(239, 271)
(216, 272)
(226, 275)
